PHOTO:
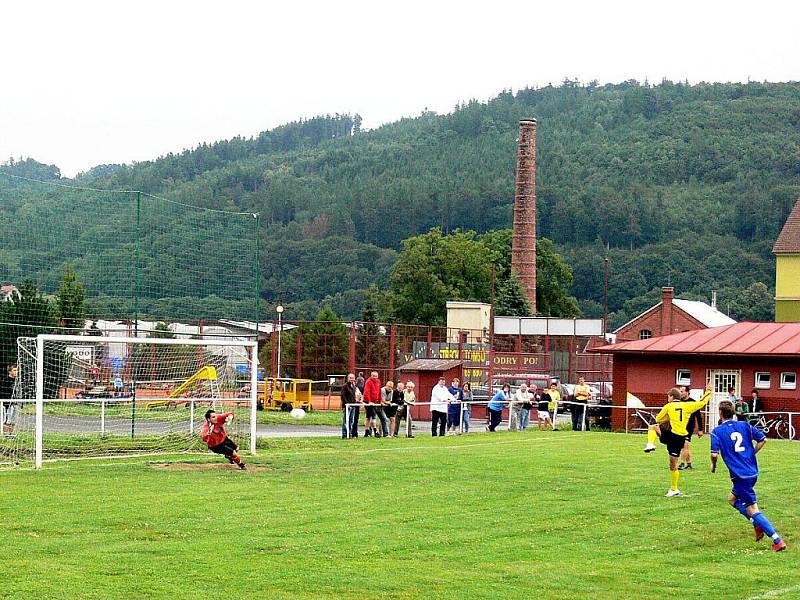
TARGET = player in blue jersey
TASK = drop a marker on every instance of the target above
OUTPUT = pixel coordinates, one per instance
(734, 440)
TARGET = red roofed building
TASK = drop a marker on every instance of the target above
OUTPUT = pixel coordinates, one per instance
(765, 356)
(671, 315)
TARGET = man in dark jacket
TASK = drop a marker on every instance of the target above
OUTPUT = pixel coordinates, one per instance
(695, 426)
(7, 381)
(350, 417)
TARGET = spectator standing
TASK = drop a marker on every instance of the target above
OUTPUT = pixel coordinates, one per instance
(372, 397)
(520, 414)
(349, 396)
(554, 397)
(454, 408)
(94, 373)
(695, 424)
(579, 408)
(756, 404)
(404, 412)
(528, 406)
(542, 402)
(389, 409)
(739, 405)
(440, 399)
(360, 382)
(398, 404)
(495, 406)
(467, 391)
(6, 394)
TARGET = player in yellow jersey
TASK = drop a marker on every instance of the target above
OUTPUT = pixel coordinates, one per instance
(676, 414)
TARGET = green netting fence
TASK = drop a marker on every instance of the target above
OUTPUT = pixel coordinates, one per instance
(70, 254)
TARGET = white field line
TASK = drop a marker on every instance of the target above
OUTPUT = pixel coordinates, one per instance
(776, 593)
(122, 461)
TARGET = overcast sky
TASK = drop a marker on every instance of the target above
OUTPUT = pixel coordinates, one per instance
(87, 83)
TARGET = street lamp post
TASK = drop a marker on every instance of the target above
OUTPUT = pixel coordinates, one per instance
(279, 310)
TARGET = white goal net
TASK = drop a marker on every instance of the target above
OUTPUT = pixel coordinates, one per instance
(89, 397)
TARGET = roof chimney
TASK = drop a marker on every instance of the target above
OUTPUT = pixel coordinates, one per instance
(667, 294)
(523, 240)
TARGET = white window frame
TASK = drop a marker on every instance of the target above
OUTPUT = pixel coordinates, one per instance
(763, 385)
(784, 385)
(683, 376)
(648, 336)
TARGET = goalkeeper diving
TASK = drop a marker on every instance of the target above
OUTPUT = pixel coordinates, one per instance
(217, 440)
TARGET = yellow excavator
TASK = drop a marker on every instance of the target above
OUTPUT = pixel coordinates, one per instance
(205, 373)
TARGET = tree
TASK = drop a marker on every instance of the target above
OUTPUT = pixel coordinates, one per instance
(510, 299)
(69, 305)
(553, 275)
(27, 316)
(553, 279)
(432, 269)
(324, 346)
(754, 303)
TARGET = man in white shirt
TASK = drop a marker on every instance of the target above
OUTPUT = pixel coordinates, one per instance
(522, 396)
(440, 398)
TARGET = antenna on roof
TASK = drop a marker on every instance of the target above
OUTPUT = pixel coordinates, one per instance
(714, 299)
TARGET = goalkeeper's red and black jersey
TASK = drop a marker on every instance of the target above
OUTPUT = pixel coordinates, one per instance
(214, 434)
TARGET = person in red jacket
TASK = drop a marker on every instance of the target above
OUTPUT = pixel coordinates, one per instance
(217, 440)
(372, 398)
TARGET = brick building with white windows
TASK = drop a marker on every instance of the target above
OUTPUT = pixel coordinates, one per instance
(764, 356)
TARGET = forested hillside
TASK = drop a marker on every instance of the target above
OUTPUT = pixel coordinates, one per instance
(676, 184)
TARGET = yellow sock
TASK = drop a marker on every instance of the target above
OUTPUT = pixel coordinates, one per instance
(652, 436)
(676, 475)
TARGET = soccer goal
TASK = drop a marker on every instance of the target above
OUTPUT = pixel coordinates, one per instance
(81, 397)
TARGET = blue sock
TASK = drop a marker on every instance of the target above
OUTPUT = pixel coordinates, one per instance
(763, 522)
(739, 505)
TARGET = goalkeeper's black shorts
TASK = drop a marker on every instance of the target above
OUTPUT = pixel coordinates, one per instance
(226, 448)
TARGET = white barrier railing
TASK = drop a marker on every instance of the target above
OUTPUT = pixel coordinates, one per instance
(782, 427)
(464, 405)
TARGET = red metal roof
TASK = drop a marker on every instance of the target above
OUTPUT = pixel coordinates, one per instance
(740, 338)
(788, 241)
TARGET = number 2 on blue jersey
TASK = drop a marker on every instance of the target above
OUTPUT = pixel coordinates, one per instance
(737, 439)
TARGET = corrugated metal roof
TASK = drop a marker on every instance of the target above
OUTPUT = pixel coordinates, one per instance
(740, 338)
(430, 364)
(788, 241)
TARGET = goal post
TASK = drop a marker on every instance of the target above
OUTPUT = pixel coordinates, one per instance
(94, 397)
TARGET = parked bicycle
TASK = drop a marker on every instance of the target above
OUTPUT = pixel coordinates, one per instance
(780, 423)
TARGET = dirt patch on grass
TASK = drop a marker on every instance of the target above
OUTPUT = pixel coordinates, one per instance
(187, 466)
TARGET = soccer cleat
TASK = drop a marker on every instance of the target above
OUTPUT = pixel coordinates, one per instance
(672, 493)
(759, 532)
(243, 466)
(778, 546)
(682, 467)
(689, 467)
(649, 447)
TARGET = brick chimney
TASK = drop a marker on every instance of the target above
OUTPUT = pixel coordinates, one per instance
(667, 294)
(523, 241)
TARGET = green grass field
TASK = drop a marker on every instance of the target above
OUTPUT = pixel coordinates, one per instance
(548, 515)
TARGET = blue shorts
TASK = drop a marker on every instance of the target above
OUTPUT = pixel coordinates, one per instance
(743, 489)
(453, 418)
